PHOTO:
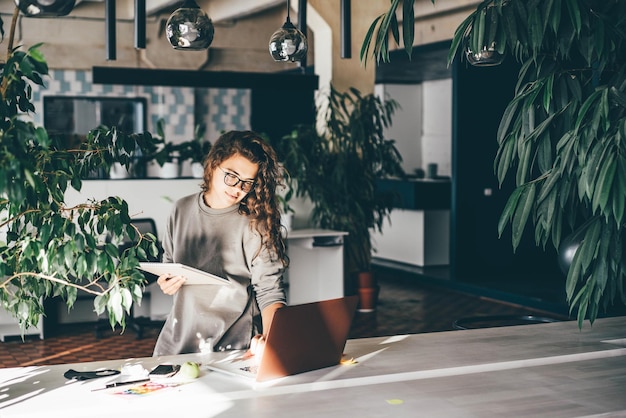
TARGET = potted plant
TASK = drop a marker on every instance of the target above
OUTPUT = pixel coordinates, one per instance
(47, 248)
(167, 155)
(286, 190)
(562, 134)
(284, 195)
(338, 169)
(195, 151)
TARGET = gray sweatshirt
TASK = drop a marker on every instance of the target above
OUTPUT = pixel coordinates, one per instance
(219, 241)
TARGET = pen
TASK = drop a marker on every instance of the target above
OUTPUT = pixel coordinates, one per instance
(116, 384)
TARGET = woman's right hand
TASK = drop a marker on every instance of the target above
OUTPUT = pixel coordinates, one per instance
(170, 284)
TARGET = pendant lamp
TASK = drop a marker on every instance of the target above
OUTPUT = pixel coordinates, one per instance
(45, 8)
(288, 43)
(487, 57)
(189, 28)
(481, 47)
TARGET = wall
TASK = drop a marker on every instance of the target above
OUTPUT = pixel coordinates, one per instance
(181, 107)
(437, 130)
(407, 121)
(422, 126)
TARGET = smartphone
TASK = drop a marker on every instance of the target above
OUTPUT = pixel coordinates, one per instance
(165, 370)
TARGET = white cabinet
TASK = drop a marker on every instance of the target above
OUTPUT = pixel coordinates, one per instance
(316, 265)
(414, 237)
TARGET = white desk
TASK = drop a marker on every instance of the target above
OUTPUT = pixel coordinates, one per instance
(316, 265)
(546, 370)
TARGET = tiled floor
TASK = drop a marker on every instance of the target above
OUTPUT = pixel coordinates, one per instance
(404, 306)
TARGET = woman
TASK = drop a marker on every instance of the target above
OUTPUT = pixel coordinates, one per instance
(231, 229)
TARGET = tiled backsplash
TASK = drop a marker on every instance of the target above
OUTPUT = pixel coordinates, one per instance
(181, 107)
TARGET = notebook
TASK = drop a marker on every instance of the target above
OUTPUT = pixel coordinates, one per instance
(302, 338)
(193, 275)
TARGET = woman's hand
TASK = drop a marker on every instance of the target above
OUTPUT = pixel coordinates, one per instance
(170, 284)
(257, 345)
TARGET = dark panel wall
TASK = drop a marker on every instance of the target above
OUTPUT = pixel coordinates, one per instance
(480, 96)
(277, 112)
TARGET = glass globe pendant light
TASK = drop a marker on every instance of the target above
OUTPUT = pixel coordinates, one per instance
(45, 8)
(487, 57)
(483, 51)
(189, 28)
(288, 43)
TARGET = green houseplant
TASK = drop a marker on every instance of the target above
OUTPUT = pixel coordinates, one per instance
(167, 154)
(562, 135)
(338, 169)
(287, 189)
(195, 150)
(46, 247)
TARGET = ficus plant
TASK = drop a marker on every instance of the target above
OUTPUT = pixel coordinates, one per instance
(48, 248)
(563, 135)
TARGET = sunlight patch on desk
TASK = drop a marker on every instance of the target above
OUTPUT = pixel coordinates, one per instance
(619, 341)
(394, 339)
(18, 399)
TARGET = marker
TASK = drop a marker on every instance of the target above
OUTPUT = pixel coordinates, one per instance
(116, 384)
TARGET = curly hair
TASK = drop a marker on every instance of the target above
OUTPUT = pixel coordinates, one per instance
(260, 204)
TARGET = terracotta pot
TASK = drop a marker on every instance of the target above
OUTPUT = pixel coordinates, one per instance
(368, 298)
(365, 279)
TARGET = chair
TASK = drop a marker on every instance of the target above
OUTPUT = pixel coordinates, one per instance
(144, 225)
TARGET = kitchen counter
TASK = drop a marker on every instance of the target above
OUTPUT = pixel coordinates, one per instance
(420, 194)
(417, 231)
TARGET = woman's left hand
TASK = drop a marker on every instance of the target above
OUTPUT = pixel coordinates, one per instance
(257, 345)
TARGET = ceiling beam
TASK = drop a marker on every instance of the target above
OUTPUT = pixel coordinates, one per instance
(214, 79)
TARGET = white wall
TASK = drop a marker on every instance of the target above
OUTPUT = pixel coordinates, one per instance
(422, 126)
(437, 128)
(406, 128)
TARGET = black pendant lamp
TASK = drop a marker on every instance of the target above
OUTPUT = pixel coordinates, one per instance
(45, 8)
(190, 28)
(288, 43)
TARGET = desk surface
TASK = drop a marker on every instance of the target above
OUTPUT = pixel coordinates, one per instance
(552, 370)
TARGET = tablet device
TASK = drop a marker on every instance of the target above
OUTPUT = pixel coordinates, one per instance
(193, 275)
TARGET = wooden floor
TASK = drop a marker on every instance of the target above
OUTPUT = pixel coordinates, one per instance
(404, 307)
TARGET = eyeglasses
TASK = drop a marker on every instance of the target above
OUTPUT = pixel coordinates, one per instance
(232, 180)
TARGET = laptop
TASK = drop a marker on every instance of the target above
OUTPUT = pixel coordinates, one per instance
(302, 338)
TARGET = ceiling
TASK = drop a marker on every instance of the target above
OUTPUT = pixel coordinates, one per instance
(217, 9)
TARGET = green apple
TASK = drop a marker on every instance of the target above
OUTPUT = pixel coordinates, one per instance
(189, 370)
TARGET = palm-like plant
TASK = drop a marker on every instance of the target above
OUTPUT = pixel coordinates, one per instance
(338, 169)
(563, 134)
